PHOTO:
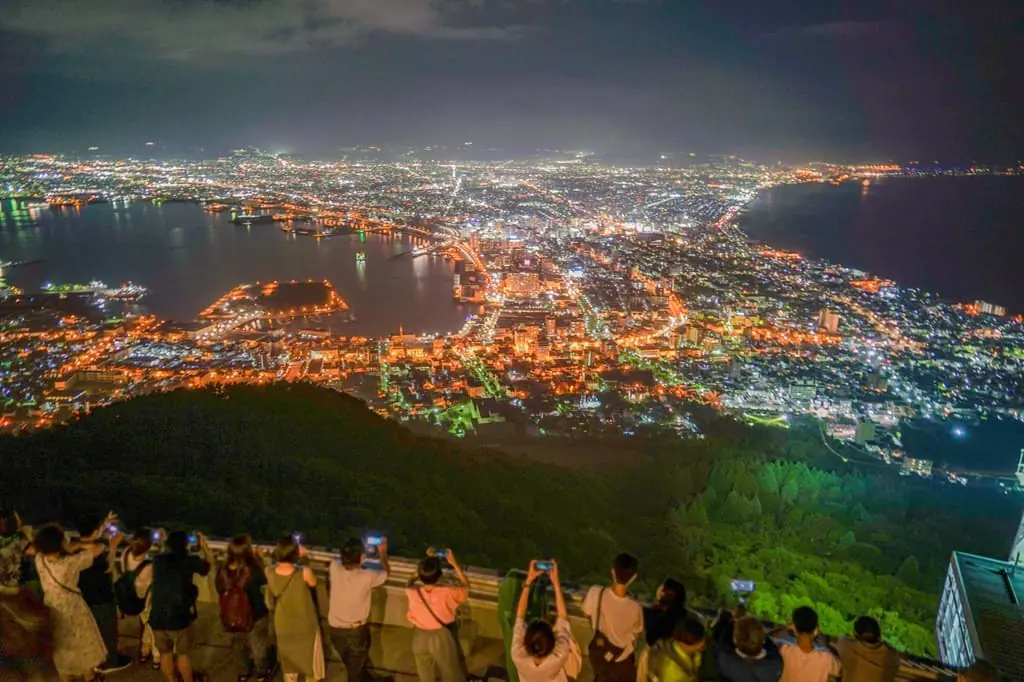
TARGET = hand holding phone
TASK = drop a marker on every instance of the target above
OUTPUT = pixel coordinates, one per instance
(375, 545)
(743, 589)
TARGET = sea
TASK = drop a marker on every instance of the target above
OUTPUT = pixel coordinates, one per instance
(961, 237)
(188, 258)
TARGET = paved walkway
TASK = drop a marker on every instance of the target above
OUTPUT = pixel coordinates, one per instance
(391, 655)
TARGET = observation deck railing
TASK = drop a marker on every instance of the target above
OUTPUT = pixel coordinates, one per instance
(391, 651)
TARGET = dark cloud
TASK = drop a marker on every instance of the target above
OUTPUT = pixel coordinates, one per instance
(872, 79)
(183, 29)
(841, 30)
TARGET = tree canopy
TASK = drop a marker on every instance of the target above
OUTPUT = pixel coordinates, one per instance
(743, 502)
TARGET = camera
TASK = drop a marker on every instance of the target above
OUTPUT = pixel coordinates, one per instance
(297, 537)
(156, 536)
(543, 564)
(743, 588)
(372, 545)
(193, 541)
(439, 553)
(112, 530)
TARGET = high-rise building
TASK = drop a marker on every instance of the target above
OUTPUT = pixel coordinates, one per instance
(981, 615)
(828, 321)
(986, 308)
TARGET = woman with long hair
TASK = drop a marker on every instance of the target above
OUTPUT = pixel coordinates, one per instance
(300, 648)
(539, 650)
(243, 571)
(660, 618)
(78, 647)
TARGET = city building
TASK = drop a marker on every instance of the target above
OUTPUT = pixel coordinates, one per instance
(918, 467)
(803, 393)
(522, 283)
(828, 321)
(865, 432)
(986, 308)
(981, 615)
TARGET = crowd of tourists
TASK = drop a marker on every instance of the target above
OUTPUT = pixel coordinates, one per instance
(62, 595)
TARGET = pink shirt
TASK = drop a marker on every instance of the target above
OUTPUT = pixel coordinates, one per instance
(443, 601)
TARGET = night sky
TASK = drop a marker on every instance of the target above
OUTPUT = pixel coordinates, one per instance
(766, 79)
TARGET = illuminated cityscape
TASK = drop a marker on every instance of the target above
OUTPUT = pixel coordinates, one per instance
(609, 300)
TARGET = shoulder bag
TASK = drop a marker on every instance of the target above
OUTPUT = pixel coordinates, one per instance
(42, 560)
(601, 651)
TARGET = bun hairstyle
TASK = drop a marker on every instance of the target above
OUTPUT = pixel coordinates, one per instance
(539, 639)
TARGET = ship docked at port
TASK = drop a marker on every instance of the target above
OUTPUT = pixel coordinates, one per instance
(128, 291)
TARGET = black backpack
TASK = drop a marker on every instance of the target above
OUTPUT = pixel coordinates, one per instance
(173, 598)
(128, 600)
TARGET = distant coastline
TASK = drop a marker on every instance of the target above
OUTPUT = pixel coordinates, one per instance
(959, 237)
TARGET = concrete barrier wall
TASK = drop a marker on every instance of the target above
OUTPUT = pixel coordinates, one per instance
(479, 630)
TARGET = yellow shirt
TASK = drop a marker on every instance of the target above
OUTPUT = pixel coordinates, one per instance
(671, 663)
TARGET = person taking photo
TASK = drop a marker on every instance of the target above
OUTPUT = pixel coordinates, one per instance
(173, 593)
(539, 650)
(804, 660)
(97, 585)
(135, 562)
(350, 586)
(432, 612)
(78, 647)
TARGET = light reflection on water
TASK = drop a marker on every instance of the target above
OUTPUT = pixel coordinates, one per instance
(188, 258)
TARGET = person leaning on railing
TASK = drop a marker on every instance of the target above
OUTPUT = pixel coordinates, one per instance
(350, 586)
(539, 651)
(300, 647)
(865, 656)
(807, 659)
(432, 612)
(681, 657)
(743, 650)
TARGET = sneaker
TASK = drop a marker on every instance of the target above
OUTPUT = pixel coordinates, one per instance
(122, 662)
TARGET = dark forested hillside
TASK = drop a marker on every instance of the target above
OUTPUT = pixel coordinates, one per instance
(743, 502)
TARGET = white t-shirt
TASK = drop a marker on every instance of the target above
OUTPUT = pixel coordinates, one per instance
(143, 579)
(350, 594)
(622, 618)
(552, 668)
(801, 666)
